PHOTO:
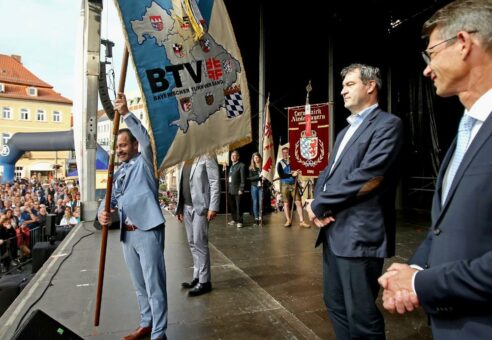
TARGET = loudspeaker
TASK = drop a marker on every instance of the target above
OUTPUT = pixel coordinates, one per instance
(50, 228)
(41, 252)
(41, 326)
(115, 219)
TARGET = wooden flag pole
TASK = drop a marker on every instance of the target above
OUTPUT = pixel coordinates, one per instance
(109, 188)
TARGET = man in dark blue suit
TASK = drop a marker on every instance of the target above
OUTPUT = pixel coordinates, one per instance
(354, 207)
(451, 272)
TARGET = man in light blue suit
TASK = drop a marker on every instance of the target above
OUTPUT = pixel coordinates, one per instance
(450, 274)
(135, 194)
(198, 204)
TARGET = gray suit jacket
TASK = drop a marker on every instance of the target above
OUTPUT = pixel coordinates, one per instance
(360, 191)
(139, 200)
(204, 185)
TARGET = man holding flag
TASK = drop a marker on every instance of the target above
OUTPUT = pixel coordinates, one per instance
(142, 224)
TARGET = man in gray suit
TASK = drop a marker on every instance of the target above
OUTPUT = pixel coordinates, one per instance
(198, 204)
(354, 207)
(142, 224)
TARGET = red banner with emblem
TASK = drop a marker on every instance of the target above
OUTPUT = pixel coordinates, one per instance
(309, 138)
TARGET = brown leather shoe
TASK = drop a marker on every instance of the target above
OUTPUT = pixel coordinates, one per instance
(139, 333)
(287, 224)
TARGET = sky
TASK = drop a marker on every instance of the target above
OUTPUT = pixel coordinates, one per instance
(43, 33)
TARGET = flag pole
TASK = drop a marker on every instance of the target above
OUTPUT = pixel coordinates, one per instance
(109, 188)
(226, 177)
(262, 182)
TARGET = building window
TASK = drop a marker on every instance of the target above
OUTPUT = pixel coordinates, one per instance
(18, 172)
(32, 91)
(6, 113)
(2, 87)
(57, 116)
(40, 115)
(141, 116)
(24, 114)
(5, 138)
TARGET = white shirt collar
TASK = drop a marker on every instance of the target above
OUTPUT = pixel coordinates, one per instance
(482, 107)
(360, 115)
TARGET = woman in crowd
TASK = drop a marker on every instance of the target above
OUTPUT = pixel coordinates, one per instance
(7, 237)
(50, 204)
(12, 222)
(68, 219)
(256, 185)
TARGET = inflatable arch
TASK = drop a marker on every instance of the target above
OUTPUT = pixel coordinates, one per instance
(22, 142)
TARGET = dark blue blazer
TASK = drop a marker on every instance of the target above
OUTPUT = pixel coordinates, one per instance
(360, 191)
(455, 288)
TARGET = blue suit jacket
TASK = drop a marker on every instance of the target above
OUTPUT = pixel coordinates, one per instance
(360, 190)
(456, 287)
(140, 186)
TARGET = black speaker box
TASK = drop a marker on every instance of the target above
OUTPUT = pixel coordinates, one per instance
(62, 231)
(115, 219)
(41, 326)
(40, 253)
(10, 287)
(50, 228)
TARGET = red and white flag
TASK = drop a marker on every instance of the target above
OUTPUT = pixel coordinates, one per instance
(268, 153)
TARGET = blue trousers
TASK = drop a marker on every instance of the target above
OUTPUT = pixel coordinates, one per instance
(256, 195)
(350, 290)
(144, 256)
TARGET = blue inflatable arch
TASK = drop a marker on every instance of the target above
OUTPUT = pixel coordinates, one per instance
(40, 141)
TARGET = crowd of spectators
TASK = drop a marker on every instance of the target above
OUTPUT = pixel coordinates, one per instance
(24, 206)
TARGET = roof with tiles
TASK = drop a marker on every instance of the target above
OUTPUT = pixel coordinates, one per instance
(17, 79)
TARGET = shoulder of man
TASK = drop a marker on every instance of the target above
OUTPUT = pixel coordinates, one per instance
(384, 115)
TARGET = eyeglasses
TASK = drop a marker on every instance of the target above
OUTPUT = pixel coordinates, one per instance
(426, 53)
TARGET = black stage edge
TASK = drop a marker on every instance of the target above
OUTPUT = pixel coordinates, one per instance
(267, 283)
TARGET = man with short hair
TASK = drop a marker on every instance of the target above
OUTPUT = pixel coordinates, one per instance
(237, 181)
(142, 224)
(451, 272)
(290, 189)
(354, 207)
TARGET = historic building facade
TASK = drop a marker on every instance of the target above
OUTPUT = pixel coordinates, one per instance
(30, 105)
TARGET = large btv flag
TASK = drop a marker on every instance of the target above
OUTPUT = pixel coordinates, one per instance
(268, 154)
(191, 74)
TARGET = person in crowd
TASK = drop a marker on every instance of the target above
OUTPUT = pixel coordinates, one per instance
(23, 235)
(256, 185)
(50, 204)
(68, 219)
(237, 181)
(142, 223)
(13, 222)
(354, 207)
(450, 274)
(77, 214)
(59, 211)
(29, 219)
(42, 215)
(7, 239)
(198, 204)
(289, 189)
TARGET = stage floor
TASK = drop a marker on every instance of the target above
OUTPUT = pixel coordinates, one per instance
(267, 284)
